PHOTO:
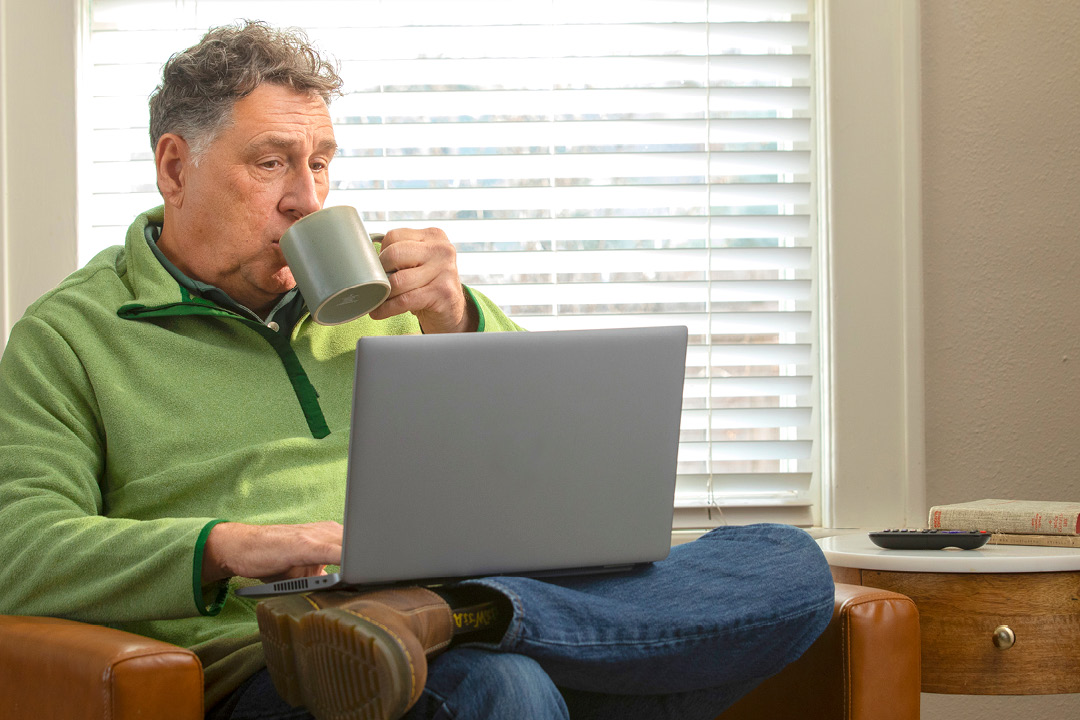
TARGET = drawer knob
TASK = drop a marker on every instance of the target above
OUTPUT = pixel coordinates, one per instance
(1004, 637)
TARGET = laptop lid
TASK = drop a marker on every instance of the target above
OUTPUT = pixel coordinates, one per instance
(498, 453)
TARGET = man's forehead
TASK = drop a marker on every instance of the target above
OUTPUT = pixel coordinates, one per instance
(276, 140)
(278, 116)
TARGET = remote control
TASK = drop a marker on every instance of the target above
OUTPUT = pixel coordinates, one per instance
(929, 539)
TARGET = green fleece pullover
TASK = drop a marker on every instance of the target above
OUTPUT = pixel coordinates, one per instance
(133, 417)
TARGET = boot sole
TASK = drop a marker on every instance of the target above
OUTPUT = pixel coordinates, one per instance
(337, 663)
(279, 627)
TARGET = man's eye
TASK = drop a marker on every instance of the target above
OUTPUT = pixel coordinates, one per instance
(270, 164)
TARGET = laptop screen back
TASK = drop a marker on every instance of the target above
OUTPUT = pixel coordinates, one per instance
(498, 453)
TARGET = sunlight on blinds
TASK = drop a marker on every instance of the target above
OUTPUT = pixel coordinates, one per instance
(597, 164)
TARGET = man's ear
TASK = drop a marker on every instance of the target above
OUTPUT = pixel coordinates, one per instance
(172, 157)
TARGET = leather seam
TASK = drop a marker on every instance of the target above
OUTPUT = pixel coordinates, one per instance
(438, 603)
(417, 610)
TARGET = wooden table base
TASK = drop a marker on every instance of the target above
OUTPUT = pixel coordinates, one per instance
(958, 616)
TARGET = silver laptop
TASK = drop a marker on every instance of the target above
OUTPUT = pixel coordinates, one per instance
(508, 453)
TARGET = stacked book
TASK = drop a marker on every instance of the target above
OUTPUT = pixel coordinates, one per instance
(1013, 522)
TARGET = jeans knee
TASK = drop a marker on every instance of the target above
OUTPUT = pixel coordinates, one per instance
(474, 683)
(792, 559)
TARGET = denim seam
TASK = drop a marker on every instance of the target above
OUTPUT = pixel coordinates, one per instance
(678, 640)
(517, 622)
(444, 709)
(516, 628)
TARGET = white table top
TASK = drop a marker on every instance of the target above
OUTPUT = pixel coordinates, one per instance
(856, 551)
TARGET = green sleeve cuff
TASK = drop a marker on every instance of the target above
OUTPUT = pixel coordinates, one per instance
(200, 595)
(471, 297)
(492, 318)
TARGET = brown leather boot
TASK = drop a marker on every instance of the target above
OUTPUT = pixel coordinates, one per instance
(353, 656)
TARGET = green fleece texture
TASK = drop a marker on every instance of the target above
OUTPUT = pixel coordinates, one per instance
(133, 416)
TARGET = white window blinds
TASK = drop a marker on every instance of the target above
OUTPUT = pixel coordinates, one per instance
(596, 163)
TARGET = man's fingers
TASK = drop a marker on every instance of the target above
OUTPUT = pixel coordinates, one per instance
(410, 279)
(396, 240)
(296, 572)
(417, 258)
(312, 543)
(412, 290)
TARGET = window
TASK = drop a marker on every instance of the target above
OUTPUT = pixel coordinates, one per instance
(596, 163)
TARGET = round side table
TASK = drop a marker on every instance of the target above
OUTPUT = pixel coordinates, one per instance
(999, 620)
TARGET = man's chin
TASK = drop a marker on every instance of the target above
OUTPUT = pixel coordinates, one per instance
(283, 280)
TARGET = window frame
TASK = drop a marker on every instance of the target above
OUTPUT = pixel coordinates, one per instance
(869, 214)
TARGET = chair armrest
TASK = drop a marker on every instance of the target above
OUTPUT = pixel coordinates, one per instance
(865, 666)
(51, 668)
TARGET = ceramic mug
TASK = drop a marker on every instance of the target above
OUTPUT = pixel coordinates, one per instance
(335, 264)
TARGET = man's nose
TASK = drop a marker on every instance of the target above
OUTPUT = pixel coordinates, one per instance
(302, 195)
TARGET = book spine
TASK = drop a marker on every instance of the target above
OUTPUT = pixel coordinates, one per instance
(1069, 541)
(1003, 520)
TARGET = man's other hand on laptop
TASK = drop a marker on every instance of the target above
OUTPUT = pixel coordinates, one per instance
(270, 552)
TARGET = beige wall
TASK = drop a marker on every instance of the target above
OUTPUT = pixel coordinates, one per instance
(1001, 252)
(38, 51)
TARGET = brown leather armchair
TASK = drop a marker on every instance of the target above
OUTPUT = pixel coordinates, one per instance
(865, 665)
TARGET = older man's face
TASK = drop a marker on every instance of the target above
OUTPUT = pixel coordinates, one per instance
(265, 171)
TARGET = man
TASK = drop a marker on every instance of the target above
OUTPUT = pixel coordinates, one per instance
(174, 424)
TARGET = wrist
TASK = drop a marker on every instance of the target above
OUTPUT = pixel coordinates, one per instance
(216, 552)
(470, 316)
(468, 319)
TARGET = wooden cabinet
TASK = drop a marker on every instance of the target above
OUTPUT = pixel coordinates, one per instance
(960, 614)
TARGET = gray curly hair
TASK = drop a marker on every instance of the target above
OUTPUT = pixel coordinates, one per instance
(200, 85)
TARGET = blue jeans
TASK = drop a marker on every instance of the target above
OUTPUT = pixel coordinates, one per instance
(681, 638)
